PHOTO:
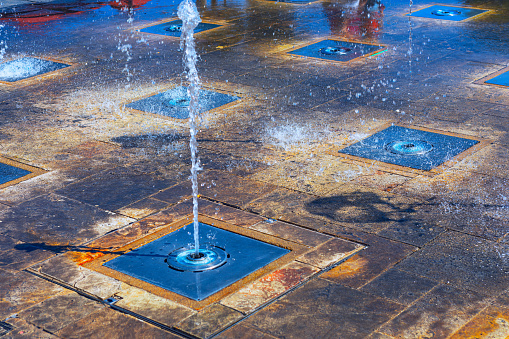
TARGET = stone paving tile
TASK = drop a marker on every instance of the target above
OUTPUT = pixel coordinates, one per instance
(230, 215)
(55, 313)
(463, 261)
(22, 329)
(243, 332)
(399, 286)
(55, 220)
(143, 208)
(16, 255)
(324, 309)
(463, 201)
(381, 180)
(379, 255)
(414, 232)
(114, 189)
(438, 314)
(21, 290)
(151, 306)
(317, 175)
(330, 252)
(112, 324)
(452, 109)
(493, 322)
(272, 285)
(287, 231)
(64, 269)
(487, 161)
(377, 335)
(209, 321)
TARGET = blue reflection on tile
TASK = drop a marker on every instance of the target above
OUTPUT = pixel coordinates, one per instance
(337, 50)
(173, 28)
(435, 148)
(174, 103)
(9, 173)
(146, 263)
(502, 80)
(447, 12)
(27, 67)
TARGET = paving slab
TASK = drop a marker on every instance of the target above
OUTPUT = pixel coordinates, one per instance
(440, 313)
(324, 309)
(463, 261)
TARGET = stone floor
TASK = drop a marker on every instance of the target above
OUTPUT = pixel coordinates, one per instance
(378, 250)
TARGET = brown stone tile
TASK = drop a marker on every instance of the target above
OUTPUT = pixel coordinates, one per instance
(463, 201)
(23, 329)
(21, 290)
(377, 335)
(231, 189)
(210, 320)
(379, 180)
(363, 208)
(379, 255)
(152, 306)
(57, 312)
(314, 175)
(175, 194)
(231, 215)
(291, 232)
(493, 322)
(330, 252)
(142, 208)
(487, 161)
(270, 286)
(116, 188)
(16, 255)
(56, 220)
(322, 309)
(437, 315)
(399, 286)
(417, 233)
(281, 204)
(240, 331)
(66, 270)
(463, 261)
(108, 323)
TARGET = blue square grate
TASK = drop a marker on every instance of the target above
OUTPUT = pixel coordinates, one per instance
(337, 50)
(501, 80)
(9, 173)
(174, 103)
(173, 28)
(23, 68)
(409, 147)
(447, 13)
(243, 256)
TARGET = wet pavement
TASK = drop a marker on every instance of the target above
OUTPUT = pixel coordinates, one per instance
(377, 249)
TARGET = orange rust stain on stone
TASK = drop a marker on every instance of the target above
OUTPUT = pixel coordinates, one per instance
(82, 258)
(492, 323)
(348, 269)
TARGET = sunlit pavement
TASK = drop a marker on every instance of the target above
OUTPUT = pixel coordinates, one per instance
(93, 165)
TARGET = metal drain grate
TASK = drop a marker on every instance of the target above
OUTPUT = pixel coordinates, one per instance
(174, 27)
(450, 13)
(338, 50)
(409, 147)
(24, 68)
(157, 263)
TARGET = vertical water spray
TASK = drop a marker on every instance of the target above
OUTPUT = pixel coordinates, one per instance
(188, 13)
(410, 47)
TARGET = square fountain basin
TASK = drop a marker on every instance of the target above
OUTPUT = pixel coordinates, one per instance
(147, 263)
(501, 80)
(165, 28)
(172, 103)
(440, 12)
(352, 50)
(9, 173)
(23, 68)
(376, 147)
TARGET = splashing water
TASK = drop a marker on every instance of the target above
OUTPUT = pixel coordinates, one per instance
(188, 13)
